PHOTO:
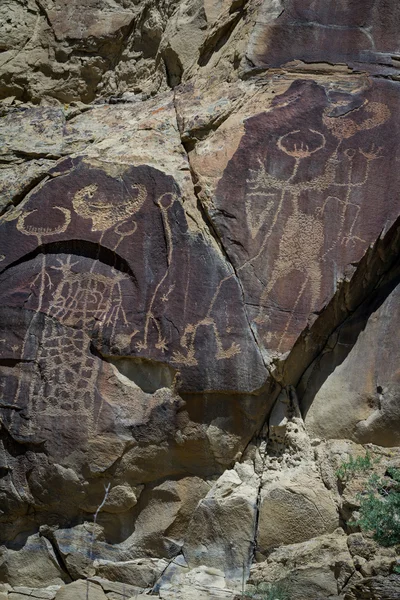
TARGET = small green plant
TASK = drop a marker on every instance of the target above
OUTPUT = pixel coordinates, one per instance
(359, 464)
(269, 591)
(380, 508)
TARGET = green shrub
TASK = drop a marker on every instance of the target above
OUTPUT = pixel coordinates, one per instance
(355, 465)
(380, 508)
(269, 591)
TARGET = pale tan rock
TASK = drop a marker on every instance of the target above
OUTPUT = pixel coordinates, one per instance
(105, 48)
(375, 588)
(182, 39)
(161, 527)
(187, 592)
(55, 39)
(295, 508)
(120, 499)
(34, 133)
(331, 455)
(34, 565)
(310, 569)
(213, 538)
(141, 572)
(81, 590)
(116, 590)
(18, 179)
(358, 400)
(22, 593)
(79, 545)
(202, 582)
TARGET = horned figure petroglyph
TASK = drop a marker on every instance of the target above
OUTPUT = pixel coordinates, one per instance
(80, 302)
(40, 233)
(302, 239)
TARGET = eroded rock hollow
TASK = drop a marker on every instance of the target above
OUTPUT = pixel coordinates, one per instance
(199, 295)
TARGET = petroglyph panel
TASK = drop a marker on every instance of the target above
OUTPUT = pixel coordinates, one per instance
(312, 184)
(99, 262)
(356, 33)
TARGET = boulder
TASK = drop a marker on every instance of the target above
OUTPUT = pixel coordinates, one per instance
(202, 582)
(115, 590)
(34, 564)
(141, 572)
(213, 538)
(310, 570)
(22, 593)
(81, 590)
(352, 390)
(294, 508)
(375, 588)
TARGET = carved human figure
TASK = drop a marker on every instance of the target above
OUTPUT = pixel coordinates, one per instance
(302, 240)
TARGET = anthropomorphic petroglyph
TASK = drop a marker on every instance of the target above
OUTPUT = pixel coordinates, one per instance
(41, 233)
(301, 246)
(107, 275)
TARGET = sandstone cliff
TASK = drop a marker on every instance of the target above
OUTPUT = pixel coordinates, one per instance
(199, 294)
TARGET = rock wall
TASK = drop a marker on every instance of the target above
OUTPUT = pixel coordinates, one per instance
(199, 271)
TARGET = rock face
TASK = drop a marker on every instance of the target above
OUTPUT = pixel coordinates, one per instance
(369, 409)
(199, 281)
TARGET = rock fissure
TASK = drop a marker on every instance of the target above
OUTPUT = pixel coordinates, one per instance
(381, 284)
(19, 198)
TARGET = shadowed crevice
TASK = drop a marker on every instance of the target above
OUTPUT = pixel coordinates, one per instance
(376, 276)
(82, 248)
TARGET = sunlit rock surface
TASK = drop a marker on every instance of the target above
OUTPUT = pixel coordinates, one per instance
(199, 243)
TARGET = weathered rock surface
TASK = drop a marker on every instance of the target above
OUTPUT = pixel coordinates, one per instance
(314, 569)
(359, 35)
(350, 402)
(384, 588)
(81, 590)
(294, 213)
(199, 242)
(33, 564)
(295, 508)
(213, 537)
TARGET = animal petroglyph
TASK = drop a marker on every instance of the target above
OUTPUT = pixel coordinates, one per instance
(188, 342)
(188, 339)
(91, 203)
(344, 127)
(162, 292)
